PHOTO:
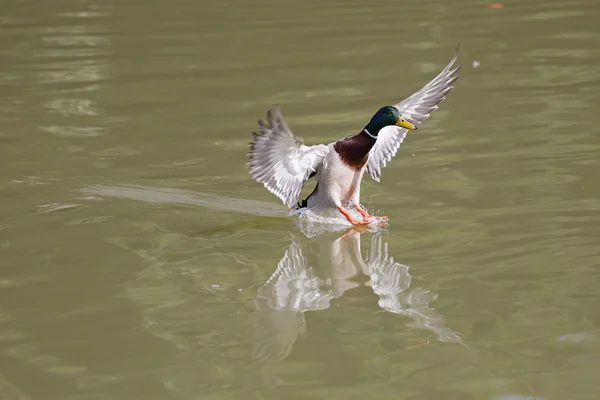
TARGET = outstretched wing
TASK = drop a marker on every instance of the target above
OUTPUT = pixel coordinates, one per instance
(416, 109)
(280, 160)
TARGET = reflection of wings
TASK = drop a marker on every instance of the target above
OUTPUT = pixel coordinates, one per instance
(275, 332)
(391, 282)
(293, 285)
(387, 276)
(280, 304)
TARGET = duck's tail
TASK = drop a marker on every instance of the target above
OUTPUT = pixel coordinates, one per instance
(300, 208)
(302, 205)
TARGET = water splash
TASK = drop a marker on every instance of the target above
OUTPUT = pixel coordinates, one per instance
(312, 224)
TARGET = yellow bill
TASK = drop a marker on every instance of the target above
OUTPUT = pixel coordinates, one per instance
(404, 123)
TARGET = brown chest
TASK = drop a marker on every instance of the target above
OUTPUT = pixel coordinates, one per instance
(354, 150)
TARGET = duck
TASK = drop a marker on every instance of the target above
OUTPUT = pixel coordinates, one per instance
(283, 163)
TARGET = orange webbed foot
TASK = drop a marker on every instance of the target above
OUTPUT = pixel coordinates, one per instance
(362, 211)
(351, 219)
(366, 214)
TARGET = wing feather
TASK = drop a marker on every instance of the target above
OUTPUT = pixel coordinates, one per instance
(416, 108)
(280, 161)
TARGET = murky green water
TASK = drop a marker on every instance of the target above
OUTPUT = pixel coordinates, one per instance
(139, 260)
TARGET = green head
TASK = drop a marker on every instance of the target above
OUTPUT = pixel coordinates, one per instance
(387, 116)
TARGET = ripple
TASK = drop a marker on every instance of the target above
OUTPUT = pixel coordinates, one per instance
(54, 208)
(73, 72)
(75, 131)
(10, 391)
(73, 106)
(120, 151)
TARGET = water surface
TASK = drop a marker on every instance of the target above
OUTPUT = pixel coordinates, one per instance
(138, 258)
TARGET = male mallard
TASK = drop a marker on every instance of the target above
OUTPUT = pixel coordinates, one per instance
(282, 162)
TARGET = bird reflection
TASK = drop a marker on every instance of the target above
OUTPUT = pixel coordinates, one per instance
(312, 273)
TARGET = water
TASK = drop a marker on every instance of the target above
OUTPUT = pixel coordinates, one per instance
(138, 259)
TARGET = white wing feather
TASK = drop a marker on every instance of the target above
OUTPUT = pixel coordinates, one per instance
(416, 109)
(280, 160)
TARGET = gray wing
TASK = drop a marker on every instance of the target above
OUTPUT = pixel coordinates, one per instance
(416, 109)
(280, 160)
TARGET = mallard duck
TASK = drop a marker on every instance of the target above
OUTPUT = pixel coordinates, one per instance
(280, 160)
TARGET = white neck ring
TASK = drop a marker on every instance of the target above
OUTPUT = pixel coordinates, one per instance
(369, 133)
